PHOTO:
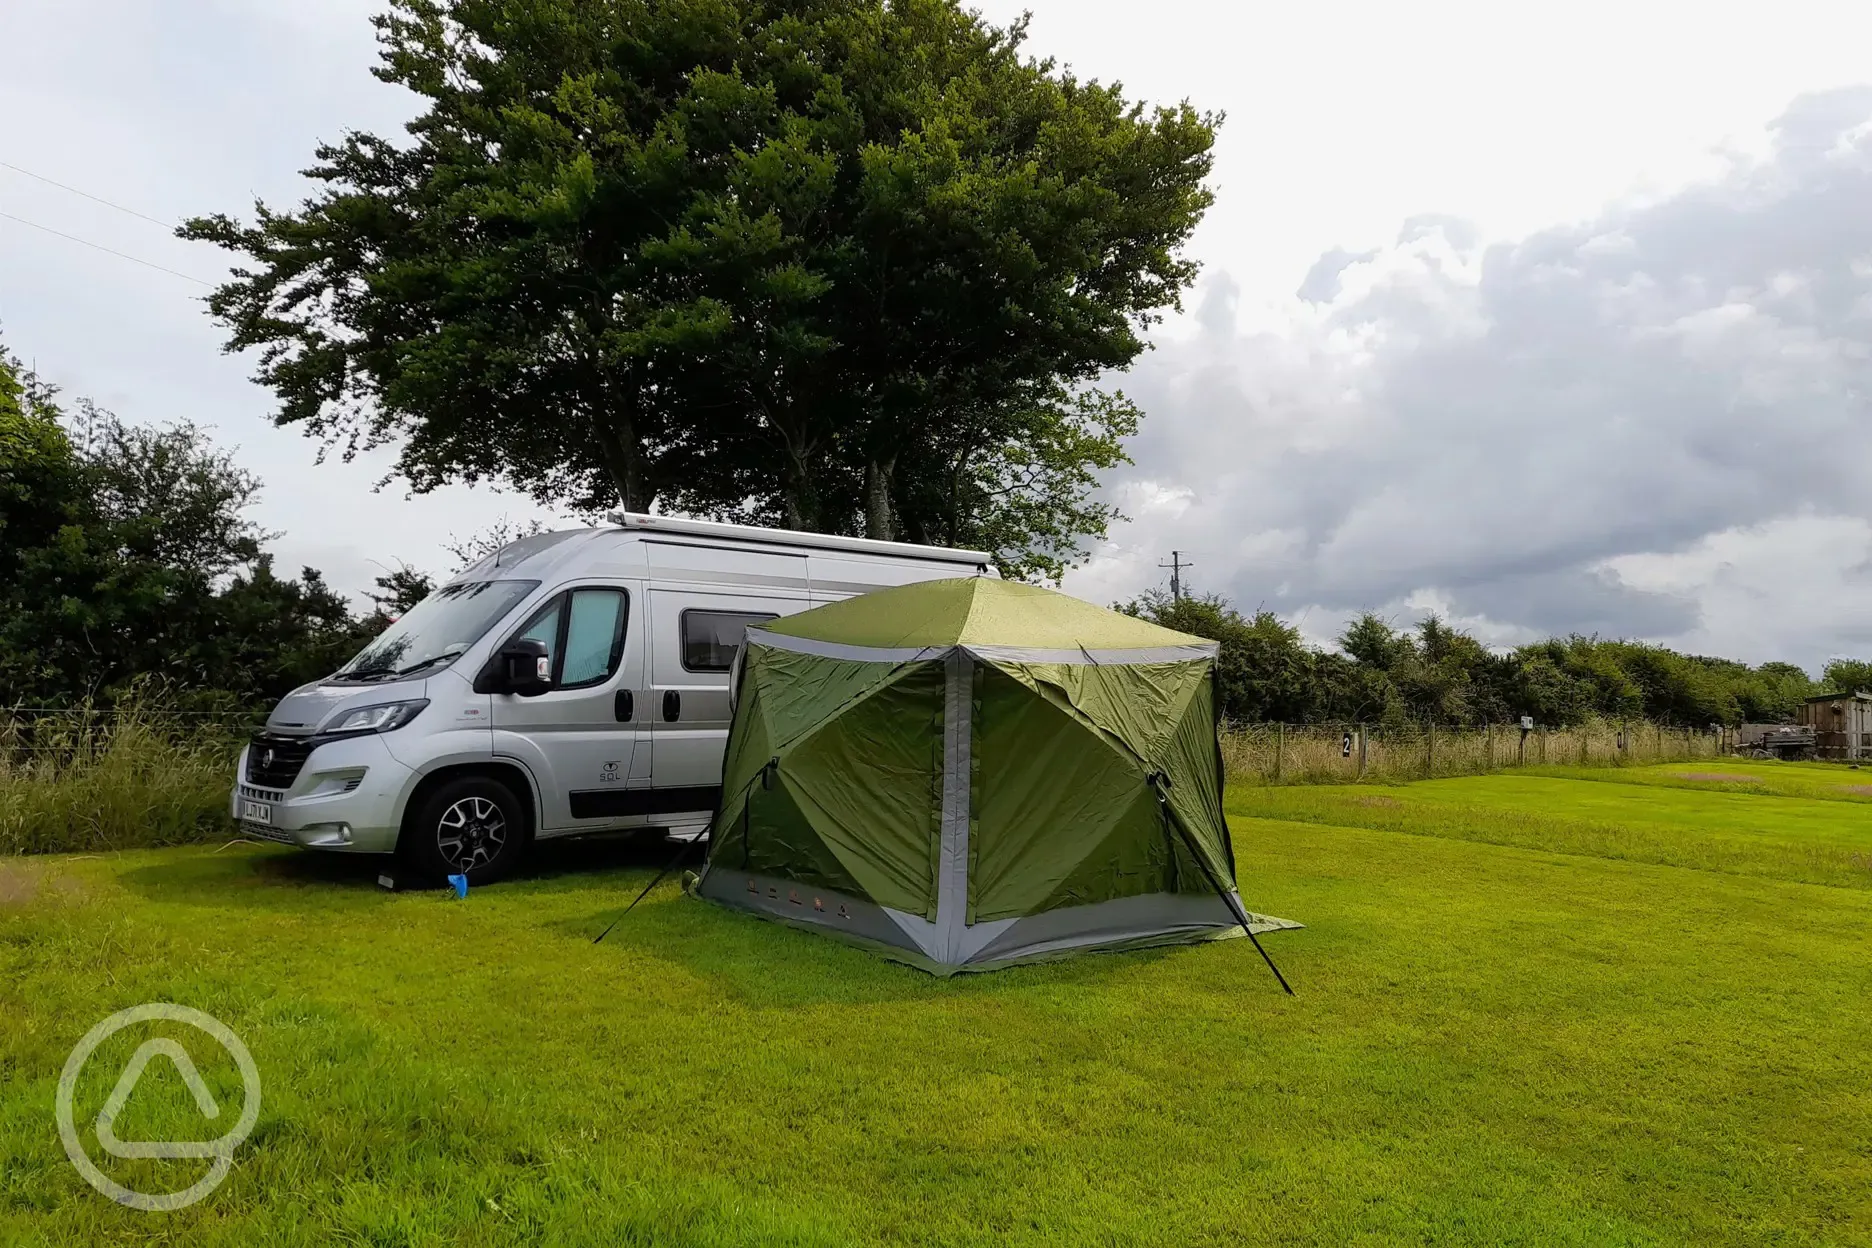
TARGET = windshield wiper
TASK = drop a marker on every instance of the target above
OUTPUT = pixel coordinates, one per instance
(368, 674)
(389, 673)
(417, 667)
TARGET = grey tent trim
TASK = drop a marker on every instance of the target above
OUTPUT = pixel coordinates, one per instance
(1119, 924)
(839, 650)
(991, 654)
(952, 862)
(1120, 921)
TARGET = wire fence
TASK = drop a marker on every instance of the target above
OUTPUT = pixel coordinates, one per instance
(36, 737)
(1340, 753)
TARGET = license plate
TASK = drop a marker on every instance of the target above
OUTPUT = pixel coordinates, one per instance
(257, 812)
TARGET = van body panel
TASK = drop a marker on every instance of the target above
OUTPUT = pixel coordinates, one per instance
(838, 576)
(349, 796)
(309, 708)
(577, 736)
(689, 705)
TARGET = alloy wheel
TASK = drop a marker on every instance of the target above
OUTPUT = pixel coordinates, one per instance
(471, 833)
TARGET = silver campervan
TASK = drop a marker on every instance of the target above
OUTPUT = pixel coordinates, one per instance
(569, 683)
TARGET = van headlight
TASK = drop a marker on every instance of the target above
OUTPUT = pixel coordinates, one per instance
(380, 718)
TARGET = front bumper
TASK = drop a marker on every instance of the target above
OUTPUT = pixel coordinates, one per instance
(348, 796)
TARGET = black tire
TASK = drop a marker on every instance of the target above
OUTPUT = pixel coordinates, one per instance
(471, 826)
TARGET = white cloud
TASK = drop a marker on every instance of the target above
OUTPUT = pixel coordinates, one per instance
(1800, 583)
(1491, 428)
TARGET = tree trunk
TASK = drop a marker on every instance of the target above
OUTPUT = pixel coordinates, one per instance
(955, 499)
(802, 501)
(878, 522)
(798, 496)
(613, 412)
(623, 460)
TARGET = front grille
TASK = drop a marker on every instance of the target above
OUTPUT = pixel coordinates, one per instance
(274, 761)
(266, 832)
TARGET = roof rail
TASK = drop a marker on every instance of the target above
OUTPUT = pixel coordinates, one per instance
(794, 537)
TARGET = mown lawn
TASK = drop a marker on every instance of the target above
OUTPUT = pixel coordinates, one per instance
(1515, 1025)
(1840, 782)
(1652, 814)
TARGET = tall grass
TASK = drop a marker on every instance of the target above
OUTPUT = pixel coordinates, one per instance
(1318, 754)
(145, 774)
(137, 775)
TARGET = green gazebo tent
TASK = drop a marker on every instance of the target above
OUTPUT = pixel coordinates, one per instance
(968, 773)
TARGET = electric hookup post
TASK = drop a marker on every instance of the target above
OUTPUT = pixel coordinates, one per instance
(1527, 726)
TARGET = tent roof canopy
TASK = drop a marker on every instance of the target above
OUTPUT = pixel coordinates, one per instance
(975, 611)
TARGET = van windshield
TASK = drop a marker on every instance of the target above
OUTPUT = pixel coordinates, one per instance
(430, 634)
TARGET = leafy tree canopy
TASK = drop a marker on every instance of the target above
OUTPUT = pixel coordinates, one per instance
(837, 264)
(125, 555)
(1436, 673)
(1848, 676)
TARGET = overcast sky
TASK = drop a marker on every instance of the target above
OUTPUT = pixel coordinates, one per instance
(1547, 317)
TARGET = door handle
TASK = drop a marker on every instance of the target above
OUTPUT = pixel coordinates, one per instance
(672, 706)
(624, 706)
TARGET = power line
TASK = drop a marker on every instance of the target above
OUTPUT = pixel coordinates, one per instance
(99, 199)
(85, 242)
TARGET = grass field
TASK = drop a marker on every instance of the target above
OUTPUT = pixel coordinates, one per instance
(1533, 1009)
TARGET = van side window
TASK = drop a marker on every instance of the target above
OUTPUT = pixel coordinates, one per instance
(710, 638)
(544, 626)
(594, 637)
(584, 635)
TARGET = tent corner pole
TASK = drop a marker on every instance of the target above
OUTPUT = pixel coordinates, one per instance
(1270, 961)
(1228, 899)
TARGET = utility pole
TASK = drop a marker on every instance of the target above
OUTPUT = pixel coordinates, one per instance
(1176, 566)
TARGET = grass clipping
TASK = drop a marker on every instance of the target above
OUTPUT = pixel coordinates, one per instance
(132, 777)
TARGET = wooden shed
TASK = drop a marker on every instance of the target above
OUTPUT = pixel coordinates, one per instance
(1842, 724)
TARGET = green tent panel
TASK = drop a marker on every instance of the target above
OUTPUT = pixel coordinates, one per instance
(970, 773)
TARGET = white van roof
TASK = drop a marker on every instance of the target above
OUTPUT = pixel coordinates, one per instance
(794, 537)
(541, 553)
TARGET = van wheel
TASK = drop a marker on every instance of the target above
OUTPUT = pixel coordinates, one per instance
(472, 826)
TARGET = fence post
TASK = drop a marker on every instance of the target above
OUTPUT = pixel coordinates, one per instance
(1543, 745)
(1488, 732)
(1361, 751)
(1430, 748)
(1521, 750)
(1280, 745)
(1585, 741)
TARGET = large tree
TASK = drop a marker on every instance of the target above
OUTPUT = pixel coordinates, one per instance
(839, 264)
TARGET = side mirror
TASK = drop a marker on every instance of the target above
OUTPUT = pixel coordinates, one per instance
(525, 667)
